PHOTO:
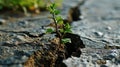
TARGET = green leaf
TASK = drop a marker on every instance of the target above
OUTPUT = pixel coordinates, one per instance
(67, 26)
(66, 40)
(53, 10)
(56, 12)
(53, 6)
(61, 30)
(60, 22)
(49, 30)
(59, 18)
(68, 31)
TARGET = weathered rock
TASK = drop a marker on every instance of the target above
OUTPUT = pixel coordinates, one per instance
(113, 54)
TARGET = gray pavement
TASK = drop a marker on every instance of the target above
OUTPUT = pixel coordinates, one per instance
(99, 27)
(100, 24)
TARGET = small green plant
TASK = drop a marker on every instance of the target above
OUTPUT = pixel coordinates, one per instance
(26, 5)
(58, 21)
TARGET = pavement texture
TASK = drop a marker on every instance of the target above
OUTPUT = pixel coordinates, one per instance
(100, 31)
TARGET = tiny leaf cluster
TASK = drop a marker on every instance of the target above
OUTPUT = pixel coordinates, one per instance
(58, 21)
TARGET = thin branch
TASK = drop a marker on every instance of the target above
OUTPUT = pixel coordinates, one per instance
(56, 27)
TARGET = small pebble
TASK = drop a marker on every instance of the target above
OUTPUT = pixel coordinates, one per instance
(22, 23)
(101, 61)
(98, 33)
(34, 34)
(114, 53)
(24, 58)
(2, 21)
(108, 28)
(20, 38)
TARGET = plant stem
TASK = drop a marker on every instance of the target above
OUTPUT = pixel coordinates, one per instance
(56, 27)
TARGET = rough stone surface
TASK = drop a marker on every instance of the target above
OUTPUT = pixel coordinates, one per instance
(100, 23)
(17, 42)
(100, 26)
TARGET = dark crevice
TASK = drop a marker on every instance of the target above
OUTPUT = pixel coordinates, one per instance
(74, 13)
(71, 49)
(23, 32)
(51, 56)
